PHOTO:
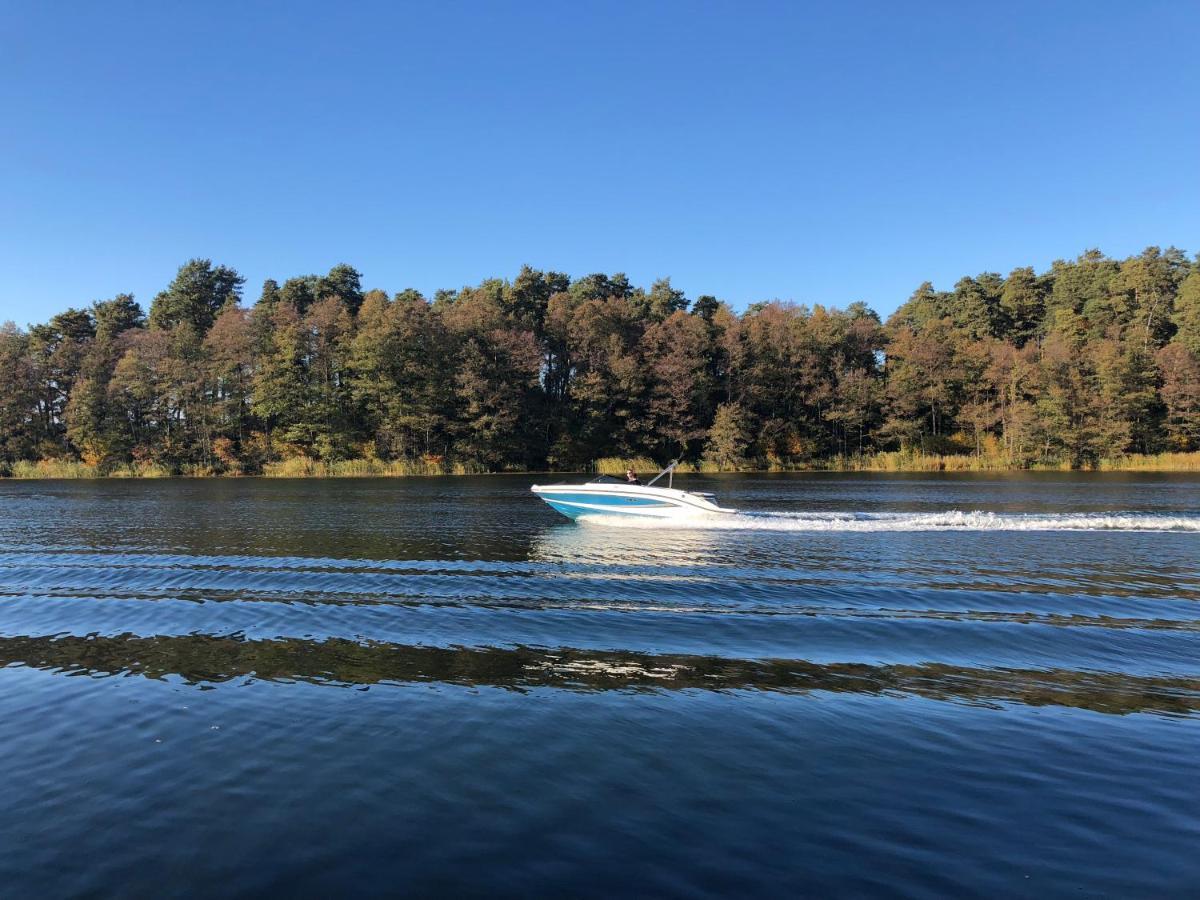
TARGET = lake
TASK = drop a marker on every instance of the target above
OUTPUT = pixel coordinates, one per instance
(907, 685)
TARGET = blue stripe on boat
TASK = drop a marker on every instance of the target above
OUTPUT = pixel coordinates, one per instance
(606, 500)
(573, 505)
(574, 511)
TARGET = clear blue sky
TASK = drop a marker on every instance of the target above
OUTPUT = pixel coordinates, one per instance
(824, 152)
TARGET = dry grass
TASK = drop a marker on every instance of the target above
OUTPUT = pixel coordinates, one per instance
(616, 465)
(140, 470)
(53, 468)
(915, 461)
(69, 468)
(1153, 462)
(894, 461)
(306, 467)
(912, 461)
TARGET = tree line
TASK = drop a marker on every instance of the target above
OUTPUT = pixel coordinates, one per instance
(1095, 358)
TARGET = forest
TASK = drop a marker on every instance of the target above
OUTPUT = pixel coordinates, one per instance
(1094, 360)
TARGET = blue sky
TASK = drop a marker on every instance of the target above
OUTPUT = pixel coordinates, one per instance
(822, 153)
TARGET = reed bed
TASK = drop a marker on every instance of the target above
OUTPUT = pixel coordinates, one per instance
(71, 468)
(52, 468)
(142, 470)
(616, 465)
(915, 461)
(1153, 462)
(306, 467)
(909, 461)
(892, 461)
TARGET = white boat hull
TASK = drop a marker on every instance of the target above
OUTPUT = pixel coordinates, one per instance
(626, 500)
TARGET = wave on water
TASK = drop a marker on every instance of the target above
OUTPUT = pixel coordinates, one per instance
(950, 520)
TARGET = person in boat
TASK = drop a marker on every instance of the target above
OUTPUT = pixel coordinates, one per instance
(631, 477)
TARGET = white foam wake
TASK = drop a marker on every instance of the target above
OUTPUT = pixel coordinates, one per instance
(950, 520)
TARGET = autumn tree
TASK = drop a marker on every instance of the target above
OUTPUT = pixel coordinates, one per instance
(279, 385)
(1091, 359)
(675, 353)
(497, 363)
(402, 376)
(139, 395)
(229, 359)
(1180, 370)
(728, 439)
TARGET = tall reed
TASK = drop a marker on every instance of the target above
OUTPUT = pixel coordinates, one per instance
(616, 465)
(1153, 462)
(306, 467)
(887, 461)
(53, 468)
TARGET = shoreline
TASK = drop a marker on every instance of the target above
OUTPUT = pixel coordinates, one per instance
(895, 462)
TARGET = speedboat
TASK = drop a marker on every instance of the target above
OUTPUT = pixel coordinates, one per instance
(608, 496)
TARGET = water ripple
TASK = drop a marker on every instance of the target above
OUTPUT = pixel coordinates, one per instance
(935, 685)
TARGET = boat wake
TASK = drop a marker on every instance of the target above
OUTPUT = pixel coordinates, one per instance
(950, 520)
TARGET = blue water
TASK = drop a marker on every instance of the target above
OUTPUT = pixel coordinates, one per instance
(920, 686)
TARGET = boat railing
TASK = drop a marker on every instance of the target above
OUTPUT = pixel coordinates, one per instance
(669, 471)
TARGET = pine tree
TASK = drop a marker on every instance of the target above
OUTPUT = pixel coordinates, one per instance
(196, 295)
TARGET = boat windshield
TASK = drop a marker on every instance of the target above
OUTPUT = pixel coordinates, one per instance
(605, 479)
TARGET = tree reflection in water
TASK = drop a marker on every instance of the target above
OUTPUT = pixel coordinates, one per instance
(202, 659)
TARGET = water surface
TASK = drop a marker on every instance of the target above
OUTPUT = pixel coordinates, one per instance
(915, 685)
